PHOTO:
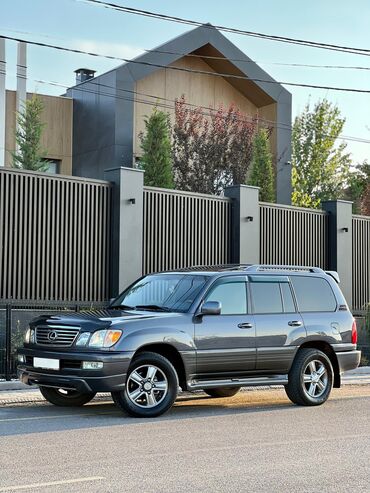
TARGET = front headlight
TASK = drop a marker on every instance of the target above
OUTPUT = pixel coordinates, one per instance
(105, 338)
(29, 336)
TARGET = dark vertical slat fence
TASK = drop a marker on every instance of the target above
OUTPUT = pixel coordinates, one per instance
(54, 237)
(360, 262)
(183, 229)
(293, 236)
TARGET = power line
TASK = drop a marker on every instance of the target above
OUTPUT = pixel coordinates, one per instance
(181, 20)
(212, 57)
(81, 87)
(183, 69)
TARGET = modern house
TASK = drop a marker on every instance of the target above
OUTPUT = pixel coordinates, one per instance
(202, 65)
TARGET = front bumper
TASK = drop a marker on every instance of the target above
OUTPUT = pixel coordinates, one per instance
(348, 360)
(110, 378)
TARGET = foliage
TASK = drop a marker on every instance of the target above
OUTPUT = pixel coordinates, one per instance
(262, 174)
(211, 151)
(29, 153)
(359, 188)
(320, 165)
(156, 147)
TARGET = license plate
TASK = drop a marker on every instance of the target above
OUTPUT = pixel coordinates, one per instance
(46, 363)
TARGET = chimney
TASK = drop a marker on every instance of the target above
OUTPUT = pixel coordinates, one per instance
(2, 101)
(84, 74)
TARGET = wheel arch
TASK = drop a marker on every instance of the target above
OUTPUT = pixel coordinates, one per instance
(326, 348)
(171, 353)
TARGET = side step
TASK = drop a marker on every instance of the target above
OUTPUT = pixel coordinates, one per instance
(238, 382)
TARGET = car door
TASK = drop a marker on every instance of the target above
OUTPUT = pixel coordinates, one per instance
(279, 326)
(225, 343)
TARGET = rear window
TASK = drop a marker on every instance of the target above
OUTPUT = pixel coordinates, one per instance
(266, 297)
(313, 294)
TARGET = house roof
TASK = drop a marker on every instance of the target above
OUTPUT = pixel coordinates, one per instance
(226, 58)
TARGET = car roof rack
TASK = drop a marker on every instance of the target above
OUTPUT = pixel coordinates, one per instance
(289, 268)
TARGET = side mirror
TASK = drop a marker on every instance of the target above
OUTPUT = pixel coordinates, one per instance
(211, 308)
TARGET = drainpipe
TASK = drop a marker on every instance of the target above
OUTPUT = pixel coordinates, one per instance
(2, 101)
(21, 78)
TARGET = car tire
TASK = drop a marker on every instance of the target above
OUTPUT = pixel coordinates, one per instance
(151, 386)
(310, 378)
(66, 398)
(224, 392)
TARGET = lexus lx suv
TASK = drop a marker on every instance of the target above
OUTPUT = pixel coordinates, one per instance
(212, 329)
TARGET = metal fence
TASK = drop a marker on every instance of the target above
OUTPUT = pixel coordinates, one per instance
(293, 235)
(54, 237)
(14, 319)
(184, 229)
(360, 262)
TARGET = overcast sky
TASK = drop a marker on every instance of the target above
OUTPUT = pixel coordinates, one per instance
(77, 24)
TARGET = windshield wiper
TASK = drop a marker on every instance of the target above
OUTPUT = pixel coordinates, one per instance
(156, 308)
(123, 307)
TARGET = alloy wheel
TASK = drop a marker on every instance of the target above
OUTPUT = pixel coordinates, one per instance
(315, 379)
(147, 386)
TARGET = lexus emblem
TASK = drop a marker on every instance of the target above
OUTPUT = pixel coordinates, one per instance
(52, 335)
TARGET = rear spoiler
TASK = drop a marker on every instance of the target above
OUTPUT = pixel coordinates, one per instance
(334, 275)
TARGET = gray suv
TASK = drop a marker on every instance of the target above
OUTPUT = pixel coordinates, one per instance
(216, 330)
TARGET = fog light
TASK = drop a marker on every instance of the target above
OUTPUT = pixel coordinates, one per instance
(21, 358)
(92, 365)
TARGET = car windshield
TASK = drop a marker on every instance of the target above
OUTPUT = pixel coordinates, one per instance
(162, 292)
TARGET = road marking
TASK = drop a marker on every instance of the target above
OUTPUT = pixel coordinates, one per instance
(51, 483)
(30, 418)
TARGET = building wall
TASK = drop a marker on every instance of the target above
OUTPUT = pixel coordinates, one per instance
(57, 133)
(199, 89)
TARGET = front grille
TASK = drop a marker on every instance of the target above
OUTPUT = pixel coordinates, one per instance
(58, 336)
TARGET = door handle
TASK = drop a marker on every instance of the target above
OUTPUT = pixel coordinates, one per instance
(295, 323)
(245, 325)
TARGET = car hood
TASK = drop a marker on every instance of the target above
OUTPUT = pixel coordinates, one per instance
(99, 319)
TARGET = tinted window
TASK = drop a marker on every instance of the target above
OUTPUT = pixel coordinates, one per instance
(314, 294)
(232, 295)
(289, 306)
(266, 297)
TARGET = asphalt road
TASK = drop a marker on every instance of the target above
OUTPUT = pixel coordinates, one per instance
(256, 441)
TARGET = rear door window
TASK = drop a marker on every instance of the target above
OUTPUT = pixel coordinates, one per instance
(313, 294)
(266, 297)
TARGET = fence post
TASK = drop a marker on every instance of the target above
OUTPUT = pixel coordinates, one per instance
(126, 227)
(245, 224)
(8, 341)
(340, 242)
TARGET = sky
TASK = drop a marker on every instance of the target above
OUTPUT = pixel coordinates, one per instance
(77, 24)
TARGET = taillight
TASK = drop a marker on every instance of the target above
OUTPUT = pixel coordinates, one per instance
(354, 332)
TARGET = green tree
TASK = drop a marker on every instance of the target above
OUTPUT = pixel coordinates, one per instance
(156, 159)
(320, 165)
(262, 174)
(359, 188)
(29, 153)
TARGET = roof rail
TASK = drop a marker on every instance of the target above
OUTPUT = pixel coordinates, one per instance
(291, 268)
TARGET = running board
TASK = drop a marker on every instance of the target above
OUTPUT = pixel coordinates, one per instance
(238, 382)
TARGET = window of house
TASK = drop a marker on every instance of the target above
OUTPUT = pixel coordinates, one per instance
(53, 166)
(313, 294)
(232, 294)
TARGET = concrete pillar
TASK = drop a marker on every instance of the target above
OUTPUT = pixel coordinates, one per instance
(2, 101)
(21, 94)
(126, 227)
(245, 224)
(340, 243)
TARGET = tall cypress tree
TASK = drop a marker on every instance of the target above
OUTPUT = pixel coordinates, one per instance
(262, 174)
(29, 153)
(156, 159)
